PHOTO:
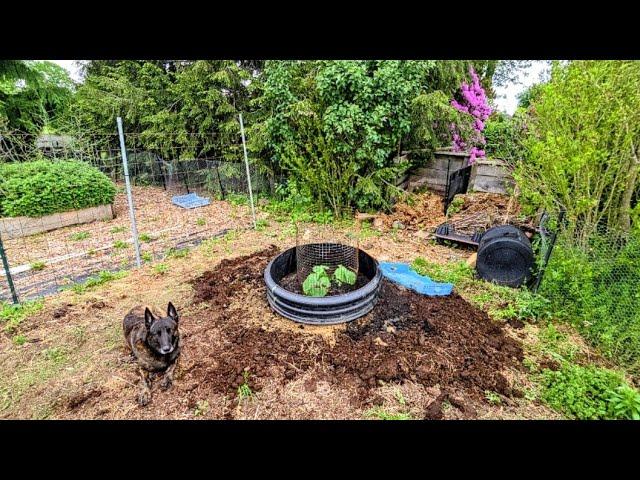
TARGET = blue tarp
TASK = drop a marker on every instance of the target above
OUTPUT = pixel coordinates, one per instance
(402, 274)
(192, 200)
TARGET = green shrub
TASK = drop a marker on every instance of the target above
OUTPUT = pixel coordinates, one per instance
(625, 403)
(588, 393)
(598, 291)
(42, 187)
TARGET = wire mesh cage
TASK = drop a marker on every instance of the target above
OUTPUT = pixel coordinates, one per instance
(324, 245)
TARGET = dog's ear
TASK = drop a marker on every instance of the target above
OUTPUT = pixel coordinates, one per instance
(148, 317)
(171, 312)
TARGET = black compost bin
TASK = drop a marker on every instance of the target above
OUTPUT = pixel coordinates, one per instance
(505, 256)
(328, 310)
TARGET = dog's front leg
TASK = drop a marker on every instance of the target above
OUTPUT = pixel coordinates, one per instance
(144, 397)
(167, 380)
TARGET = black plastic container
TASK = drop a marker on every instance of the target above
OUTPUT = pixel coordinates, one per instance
(321, 310)
(505, 256)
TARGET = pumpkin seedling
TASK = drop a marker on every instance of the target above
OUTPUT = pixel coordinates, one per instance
(317, 282)
(343, 275)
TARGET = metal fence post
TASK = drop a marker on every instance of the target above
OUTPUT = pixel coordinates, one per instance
(246, 162)
(132, 215)
(7, 271)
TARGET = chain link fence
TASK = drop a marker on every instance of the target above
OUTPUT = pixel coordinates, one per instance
(46, 254)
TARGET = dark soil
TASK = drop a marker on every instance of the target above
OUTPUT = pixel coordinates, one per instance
(221, 284)
(433, 341)
(290, 282)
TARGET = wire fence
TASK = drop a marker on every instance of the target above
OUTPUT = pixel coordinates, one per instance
(596, 285)
(53, 252)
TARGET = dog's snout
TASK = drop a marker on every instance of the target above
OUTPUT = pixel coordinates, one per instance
(166, 350)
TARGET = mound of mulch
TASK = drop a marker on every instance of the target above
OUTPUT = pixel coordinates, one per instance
(433, 341)
(478, 210)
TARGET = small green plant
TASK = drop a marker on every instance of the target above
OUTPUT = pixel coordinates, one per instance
(261, 224)
(144, 237)
(37, 266)
(19, 340)
(382, 414)
(455, 206)
(237, 199)
(177, 252)
(244, 390)
(56, 355)
(317, 283)
(76, 237)
(101, 278)
(202, 407)
(118, 229)
(366, 231)
(343, 275)
(120, 244)
(146, 256)
(12, 315)
(79, 333)
(585, 393)
(92, 251)
(492, 397)
(200, 222)
(625, 403)
(399, 397)
(161, 268)
(231, 235)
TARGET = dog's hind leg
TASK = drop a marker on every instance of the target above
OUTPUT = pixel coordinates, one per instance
(144, 397)
(167, 379)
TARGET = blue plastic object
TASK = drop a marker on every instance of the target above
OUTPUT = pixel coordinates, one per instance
(192, 200)
(402, 274)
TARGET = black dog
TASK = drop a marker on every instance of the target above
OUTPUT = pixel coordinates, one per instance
(155, 342)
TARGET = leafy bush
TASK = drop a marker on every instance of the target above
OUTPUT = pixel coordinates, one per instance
(41, 187)
(597, 290)
(336, 126)
(625, 403)
(589, 393)
(505, 136)
(583, 145)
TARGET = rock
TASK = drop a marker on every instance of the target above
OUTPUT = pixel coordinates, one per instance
(398, 225)
(422, 235)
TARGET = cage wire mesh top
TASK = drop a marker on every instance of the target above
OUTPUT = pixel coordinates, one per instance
(325, 245)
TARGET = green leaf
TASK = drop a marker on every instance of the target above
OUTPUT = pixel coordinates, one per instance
(316, 285)
(344, 275)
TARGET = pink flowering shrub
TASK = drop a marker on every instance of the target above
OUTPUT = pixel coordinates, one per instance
(474, 102)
